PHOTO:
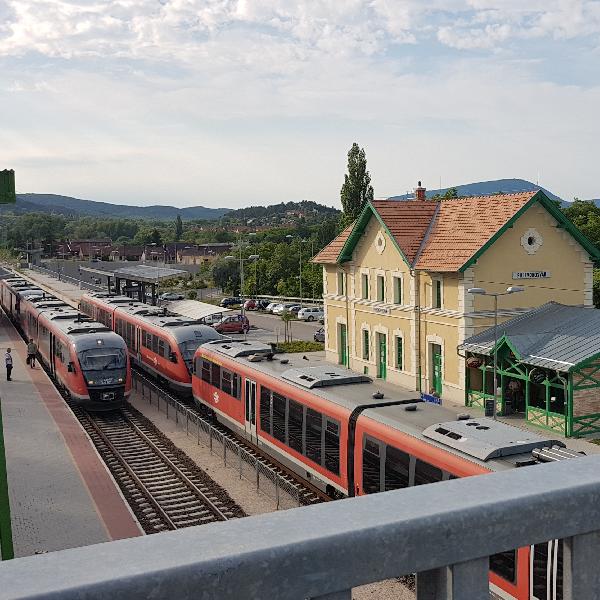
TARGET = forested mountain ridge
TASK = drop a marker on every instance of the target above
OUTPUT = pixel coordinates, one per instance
(66, 205)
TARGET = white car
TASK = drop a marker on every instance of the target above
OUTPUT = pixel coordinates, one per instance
(271, 306)
(172, 296)
(213, 319)
(311, 313)
(282, 308)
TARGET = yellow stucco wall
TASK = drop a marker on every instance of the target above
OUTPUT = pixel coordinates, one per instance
(559, 253)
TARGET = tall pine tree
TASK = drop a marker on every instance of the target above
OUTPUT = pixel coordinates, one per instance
(357, 189)
(178, 228)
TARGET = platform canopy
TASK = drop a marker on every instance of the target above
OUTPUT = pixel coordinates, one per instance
(194, 309)
(147, 274)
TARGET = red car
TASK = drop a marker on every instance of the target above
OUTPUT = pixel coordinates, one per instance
(250, 305)
(233, 324)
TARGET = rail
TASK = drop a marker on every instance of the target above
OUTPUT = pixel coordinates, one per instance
(444, 532)
(250, 466)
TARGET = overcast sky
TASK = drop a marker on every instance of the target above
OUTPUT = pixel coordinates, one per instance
(237, 102)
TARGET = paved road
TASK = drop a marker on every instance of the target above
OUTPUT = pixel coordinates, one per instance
(271, 327)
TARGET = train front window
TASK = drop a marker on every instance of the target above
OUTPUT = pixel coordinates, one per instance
(188, 349)
(102, 359)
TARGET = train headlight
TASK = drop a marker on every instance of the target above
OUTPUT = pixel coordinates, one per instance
(120, 380)
(90, 382)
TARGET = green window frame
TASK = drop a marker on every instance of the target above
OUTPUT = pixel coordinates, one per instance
(341, 287)
(365, 347)
(380, 288)
(399, 353)
(364, 278)
(437, 293)
(397, 290)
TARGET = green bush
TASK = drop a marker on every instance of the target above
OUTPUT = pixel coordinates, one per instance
(192, 295)
(300, 346)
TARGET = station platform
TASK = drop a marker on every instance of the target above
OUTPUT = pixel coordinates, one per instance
(61, 494)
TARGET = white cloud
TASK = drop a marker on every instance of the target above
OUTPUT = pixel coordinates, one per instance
(258, 100)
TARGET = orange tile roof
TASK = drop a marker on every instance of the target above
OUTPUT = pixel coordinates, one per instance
(407, 221)
(439, 235)
(464, 225)
(330, 253)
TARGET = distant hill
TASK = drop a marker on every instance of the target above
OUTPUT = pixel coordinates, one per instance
(283, 213)
(65, 205)
(486, 188)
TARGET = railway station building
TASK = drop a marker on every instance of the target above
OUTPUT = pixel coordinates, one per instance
(396, 281)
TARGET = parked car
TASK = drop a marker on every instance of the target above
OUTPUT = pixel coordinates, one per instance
(233, 324)
(295, 309)
(212, 319)
(282, 308)
(271, 306)
(96, 280)
(230, 302)
(172, 296)
(250, 305)
(262, 304)
(311, 313)
(319, 335)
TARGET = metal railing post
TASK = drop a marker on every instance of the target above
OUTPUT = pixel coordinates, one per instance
(581, 576)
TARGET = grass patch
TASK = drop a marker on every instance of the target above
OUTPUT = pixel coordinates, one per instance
(300, 346)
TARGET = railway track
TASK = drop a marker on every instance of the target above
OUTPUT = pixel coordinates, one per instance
(165, 489)
(307, 494)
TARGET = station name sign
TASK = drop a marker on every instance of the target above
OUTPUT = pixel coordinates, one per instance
(531, 274)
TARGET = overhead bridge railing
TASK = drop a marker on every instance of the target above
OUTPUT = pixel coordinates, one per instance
(444, 532)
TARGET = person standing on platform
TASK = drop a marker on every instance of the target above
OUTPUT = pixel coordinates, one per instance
(8, 361)
(31, 353)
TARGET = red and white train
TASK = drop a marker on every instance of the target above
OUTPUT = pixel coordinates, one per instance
(160, 343)
(349, 437)
(85, 357)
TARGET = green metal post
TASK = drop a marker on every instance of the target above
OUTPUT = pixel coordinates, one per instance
(6, 542)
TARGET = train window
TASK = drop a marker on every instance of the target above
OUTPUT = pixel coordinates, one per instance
(215, 376)
(265, 409)
(295, 425)
(146, 339)
(332, 446)
(226, 381)
(371, 466)
(279, 417)
(236, 386)
(155, 339)
(397, 468)
(314, 428)
(504, 564)
(161, 347)
(426, 473)
(206, 365)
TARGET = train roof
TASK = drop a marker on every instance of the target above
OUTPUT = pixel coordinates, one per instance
(487, 442)
(72, 322)
(154, 315)
(108, 298)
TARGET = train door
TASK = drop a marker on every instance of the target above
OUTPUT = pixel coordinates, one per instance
(52, 357)
(381, 355)
(250, 413)
(546, 567)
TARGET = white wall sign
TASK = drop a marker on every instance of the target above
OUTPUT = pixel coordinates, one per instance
(531, 274)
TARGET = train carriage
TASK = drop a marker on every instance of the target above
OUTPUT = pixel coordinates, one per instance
(86, 358)
(349, 436)
(160, 343)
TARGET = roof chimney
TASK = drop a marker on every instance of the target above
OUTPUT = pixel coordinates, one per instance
(420, 192)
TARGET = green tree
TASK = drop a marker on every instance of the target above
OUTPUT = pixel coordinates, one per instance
(357, 189)
(585, 215)
(178, 228)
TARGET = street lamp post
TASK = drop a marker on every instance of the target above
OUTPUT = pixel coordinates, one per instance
(513, 289)
(252, 257)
